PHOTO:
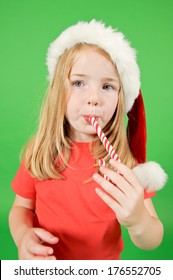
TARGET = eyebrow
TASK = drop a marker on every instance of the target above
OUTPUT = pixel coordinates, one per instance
(110, 79)
(79, 75)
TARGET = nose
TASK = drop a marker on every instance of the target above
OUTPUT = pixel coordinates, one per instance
(93, 102)
(93, 99)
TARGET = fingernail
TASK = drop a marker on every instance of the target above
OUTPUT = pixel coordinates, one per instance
(97, 191)
(54, 239)
(96, 177)
(50, 251)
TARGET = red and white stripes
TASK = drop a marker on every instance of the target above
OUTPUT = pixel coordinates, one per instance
(105, 142)
(104, 139)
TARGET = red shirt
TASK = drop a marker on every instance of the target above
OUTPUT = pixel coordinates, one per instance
(70, 209)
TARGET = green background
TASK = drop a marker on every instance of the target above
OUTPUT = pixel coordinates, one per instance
(27, 28)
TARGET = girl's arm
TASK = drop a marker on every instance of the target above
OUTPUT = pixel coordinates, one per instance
(27, 238)
(125, 196)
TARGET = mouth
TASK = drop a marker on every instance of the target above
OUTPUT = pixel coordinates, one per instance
(87, 118)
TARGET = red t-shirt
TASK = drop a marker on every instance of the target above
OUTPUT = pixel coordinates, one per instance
(70, 209)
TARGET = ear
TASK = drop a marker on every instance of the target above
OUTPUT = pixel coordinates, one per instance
(151, 175)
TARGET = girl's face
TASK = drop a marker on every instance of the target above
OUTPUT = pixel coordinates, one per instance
(93, 91)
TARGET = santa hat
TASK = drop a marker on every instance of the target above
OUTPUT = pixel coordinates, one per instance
(151, 175)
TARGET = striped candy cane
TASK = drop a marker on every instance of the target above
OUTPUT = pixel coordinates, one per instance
(105, 142)
(101, 162)
(104, 139)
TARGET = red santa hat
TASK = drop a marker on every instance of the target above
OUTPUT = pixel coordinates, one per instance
(151, 175)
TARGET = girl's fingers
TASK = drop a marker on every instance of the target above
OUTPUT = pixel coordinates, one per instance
(34, 245)
(46, 236)
(110, 189)
(38, 249)
(126, 172)
(117, 180)
(112, 203)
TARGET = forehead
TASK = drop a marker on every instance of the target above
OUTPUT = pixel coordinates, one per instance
(91, 61)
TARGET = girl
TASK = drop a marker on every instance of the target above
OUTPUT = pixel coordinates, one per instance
(64, 207)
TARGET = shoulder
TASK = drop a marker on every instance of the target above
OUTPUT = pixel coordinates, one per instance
(23, 183)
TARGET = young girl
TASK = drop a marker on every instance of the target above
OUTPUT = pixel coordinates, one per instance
(64, 207)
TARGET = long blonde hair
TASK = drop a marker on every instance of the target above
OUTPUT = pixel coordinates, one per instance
(51, 144)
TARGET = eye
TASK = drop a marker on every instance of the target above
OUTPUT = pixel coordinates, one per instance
(108, 87)
(78, 83)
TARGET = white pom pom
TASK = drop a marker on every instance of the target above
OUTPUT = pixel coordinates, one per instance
(151, 175)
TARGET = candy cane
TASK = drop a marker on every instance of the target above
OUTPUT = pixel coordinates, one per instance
(104, 139)
(101, 162)
(105, 142)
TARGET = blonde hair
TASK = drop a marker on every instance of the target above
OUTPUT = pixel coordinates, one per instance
(48, 152)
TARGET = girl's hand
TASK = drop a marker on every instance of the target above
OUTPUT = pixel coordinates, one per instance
(31, 248)
(123, 194)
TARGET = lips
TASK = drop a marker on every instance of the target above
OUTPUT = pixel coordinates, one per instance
(87, 118)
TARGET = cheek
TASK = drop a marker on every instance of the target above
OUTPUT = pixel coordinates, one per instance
(111, 106)
(69, 111)
(72, 106)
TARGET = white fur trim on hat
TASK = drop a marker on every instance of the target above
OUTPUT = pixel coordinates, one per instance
(151, 175)
(112, 41)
